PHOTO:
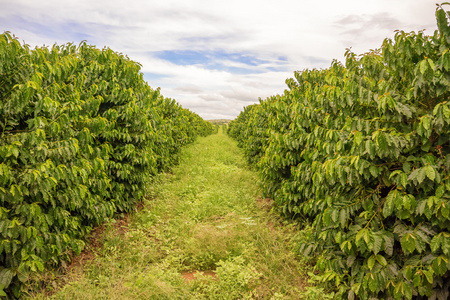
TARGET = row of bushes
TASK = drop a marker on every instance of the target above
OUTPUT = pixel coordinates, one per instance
(81, 135)
(359, 154)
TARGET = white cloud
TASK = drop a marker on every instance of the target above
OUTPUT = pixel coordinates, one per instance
(282, 36)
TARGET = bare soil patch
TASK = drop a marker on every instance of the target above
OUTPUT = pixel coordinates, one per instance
(191, 275)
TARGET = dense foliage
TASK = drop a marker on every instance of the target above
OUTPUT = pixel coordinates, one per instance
(360, 155)
(81, 135)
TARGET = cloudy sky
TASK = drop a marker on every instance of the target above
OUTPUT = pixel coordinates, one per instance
(217, 56)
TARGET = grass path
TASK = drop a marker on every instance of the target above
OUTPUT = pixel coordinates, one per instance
(204, 216)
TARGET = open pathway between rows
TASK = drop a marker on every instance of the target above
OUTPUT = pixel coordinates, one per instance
(203, 233)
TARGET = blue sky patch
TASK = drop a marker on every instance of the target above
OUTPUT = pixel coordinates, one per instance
(152, 77)
(67, 31)
(183, 58)
(218, 60)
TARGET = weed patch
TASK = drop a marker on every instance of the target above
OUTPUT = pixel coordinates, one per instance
(204, 232)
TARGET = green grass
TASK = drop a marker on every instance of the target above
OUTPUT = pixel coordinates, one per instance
(204, 216)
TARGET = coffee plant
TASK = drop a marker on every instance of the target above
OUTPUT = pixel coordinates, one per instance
(359, 153)
(81, 135)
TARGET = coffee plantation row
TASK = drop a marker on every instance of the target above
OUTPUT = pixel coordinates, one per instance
(359, 154)
(82, 135)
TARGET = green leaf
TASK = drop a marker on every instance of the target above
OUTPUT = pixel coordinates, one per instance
(429, 170)
(429, 275)
(371, 262)
(358, 137)
(408, 242)
(421, 175)
(374, 171)
(15, 151)
(355, 287)
(446, 60)
(334, 215)
(350, 260)
(406, 167)
(343, 217)
(388, 206)
(402, 290)
(417, 280)
(395, 173)
(440, 191)
(398, 201)
(431, 201)
(431, 63)
(370, 148)
(367, 236)
(378, 243)
(408, 293)
(426, 122)
(360, 235)
(381, 260)
(409, 202)
(39, 265)
(2, 292)
(423, 66)
(408, 272)
(413, 174)
(6, 276)
(440, 265)
(381, 141)
(404, 179)
(373, 284)
(435, 243)
(33, 85)
(426, 146)
(338, 237)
